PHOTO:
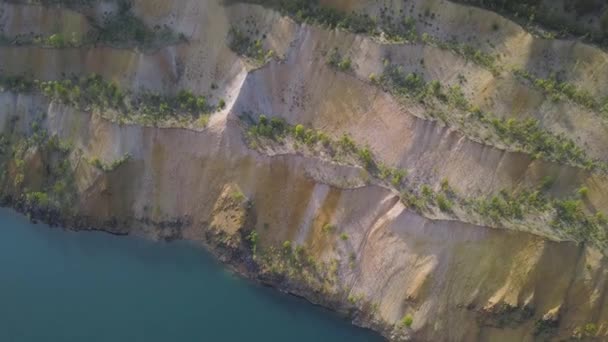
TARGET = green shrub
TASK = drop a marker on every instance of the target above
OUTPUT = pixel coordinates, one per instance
(253, 238)
(402, 29)
(407, 321)
(334, 57)
(324, 139)
(336, 60)
(604, 108)
(601, 219)
(274, 128)
(510, 206)
(328, 228)
(568, 211)
(287, 246)
(546, 183)
(244, 45)
(345, 64)
(56, 40)
(435, 88)
(366, 157)
(397, 176)
(583, 191)
(445, 204)
(237, 196)
(347, 143)
(588, 330)
(40, 199)
(400, 83)
(344, 236)
(299, 132)
(426, 191)
(96, 162)
(457, 99)
(123, 27)
(445, 185)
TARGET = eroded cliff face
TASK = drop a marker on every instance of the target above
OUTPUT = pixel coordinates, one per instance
(415, 240)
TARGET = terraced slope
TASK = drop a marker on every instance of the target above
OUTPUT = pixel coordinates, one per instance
(433, 169)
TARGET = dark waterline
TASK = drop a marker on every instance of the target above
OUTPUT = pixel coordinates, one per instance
(65, 286)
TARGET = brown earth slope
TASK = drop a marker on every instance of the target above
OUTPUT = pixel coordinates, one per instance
(320, 224)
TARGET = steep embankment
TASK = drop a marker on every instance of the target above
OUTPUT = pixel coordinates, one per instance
(385, 202)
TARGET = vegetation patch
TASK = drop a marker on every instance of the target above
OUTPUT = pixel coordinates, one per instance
(296, 263)
(123, 28)
(336, 60)
(55, 40)
(344, 149)
(537, 16)
(542, 144)
(466, 51)
(49, 187)
(387, 27)
(406, 321)
(241, 43)
(567, 216)
(586, 331)
(107, 167)
(94, 93)
(120, 28)
(558, 90)
(525, 135)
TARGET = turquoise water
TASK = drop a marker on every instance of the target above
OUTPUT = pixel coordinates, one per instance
(65, 286)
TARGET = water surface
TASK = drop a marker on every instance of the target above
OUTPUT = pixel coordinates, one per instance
(66, 286)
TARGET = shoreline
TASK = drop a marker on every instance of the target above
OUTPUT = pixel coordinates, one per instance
(34, 216)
